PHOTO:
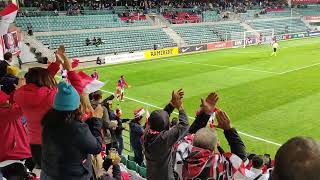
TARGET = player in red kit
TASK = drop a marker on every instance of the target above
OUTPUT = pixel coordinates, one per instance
(120, 88)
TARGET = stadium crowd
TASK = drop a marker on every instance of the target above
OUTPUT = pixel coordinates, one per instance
(70, 132)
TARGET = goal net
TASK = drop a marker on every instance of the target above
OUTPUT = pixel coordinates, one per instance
(257, 37)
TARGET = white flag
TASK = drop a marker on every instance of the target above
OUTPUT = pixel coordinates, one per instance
(8, 14)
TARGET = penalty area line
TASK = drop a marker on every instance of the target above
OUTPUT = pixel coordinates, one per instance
(242, 133)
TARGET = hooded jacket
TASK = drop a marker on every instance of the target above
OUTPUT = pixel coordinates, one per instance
(14, 139)
(36, 101)
(159, 140)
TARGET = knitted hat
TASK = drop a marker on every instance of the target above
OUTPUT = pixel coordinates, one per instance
(12, 70)
(3, 97)
(159, 120)
(67, 98)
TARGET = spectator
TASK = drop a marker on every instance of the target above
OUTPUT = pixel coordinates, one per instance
(159, 139)
(9, 80)
(29, 28)
(88, 42)
(67, 141)
(5, 63)
(255, 172)
(297, 159)
(119, 129)
(94, 41)
(13, 132)
(36, 97)
(136, 132)
(108, 126)
(114, 162)
(204, 146)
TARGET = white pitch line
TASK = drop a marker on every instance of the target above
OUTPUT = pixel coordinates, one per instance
(298, 69)
(242, 133)
(229, 67)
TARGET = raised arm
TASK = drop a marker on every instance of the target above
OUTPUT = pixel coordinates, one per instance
(236, 144)
(181, 129)
(73, 77)
(206, 110)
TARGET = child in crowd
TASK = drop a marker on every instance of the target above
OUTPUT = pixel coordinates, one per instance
(136, 132)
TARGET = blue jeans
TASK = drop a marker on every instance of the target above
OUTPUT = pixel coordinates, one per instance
(120, 144)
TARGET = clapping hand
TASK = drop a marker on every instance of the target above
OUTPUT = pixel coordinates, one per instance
(223, 120)
(176, 99)
(209, 104)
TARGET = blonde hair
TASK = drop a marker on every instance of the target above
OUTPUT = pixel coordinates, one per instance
(85, 105)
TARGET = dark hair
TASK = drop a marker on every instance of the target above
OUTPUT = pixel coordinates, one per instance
(298, 158)
(40, 77)
(257, 162)
(174, 122)
(97, 95)
(55, 118)
(7, 56)
(8, 83)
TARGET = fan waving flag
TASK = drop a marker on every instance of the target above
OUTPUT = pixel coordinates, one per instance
(8, 14)
(90, 85)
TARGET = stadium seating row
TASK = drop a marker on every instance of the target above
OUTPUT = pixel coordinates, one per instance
(132, 165)
(207, 33)
(210, 16)
(115, 41)
(62, 23)
(280, 27)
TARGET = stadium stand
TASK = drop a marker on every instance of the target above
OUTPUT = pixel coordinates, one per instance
(63, 23)
(206, 33)
(113, 41)
(280, 26)
(210, 16)
(309, 11)
(182, 17)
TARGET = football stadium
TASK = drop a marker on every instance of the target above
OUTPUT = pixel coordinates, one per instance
(158, 90)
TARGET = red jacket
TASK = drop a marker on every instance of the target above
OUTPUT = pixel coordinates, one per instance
(36, 101)
(14, 139)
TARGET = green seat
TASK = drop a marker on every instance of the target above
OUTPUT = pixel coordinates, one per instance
(123, 160)
(131, 165)
(142, 171)
(131, 158)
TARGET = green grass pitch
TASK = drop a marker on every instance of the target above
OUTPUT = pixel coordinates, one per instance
(272, 98)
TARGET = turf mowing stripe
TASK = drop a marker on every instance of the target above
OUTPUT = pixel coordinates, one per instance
(242, 133)
(229, 67)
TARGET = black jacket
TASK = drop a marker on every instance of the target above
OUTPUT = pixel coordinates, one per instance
(158, 148)
(3, 67)
(66, 147)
